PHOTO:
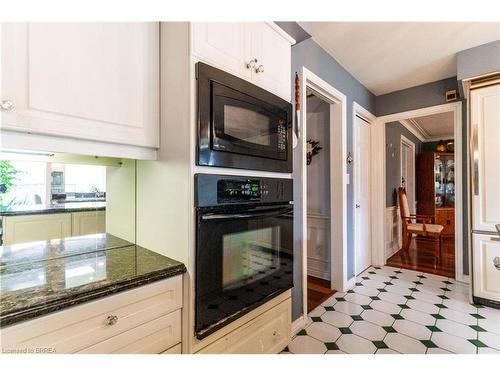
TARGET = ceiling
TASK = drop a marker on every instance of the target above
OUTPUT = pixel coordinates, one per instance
(391, 56)
(434, 127)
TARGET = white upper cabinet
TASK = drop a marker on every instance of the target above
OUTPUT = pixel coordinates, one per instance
(258, 52)
(93, 81)
(273, 68)
(485, 119)
(224, 45)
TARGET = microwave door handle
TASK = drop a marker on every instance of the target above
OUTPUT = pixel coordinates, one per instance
(247, 215)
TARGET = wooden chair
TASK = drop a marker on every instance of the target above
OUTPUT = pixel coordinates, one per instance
(420, 225)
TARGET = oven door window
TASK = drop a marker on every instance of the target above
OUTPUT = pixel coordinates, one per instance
(243, 260)
(245, 125)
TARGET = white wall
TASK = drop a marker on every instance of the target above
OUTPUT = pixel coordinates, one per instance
(120, 200)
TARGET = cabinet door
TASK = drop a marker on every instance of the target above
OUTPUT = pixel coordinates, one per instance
(486, 274)
(224, 45)
(88, 222)
(273, 52)
(27, 228)
(485, 120)
(96, 81)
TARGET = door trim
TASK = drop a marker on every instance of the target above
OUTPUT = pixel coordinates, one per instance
(379, 185)
(360, 111)
(411, 144)
(338, 172)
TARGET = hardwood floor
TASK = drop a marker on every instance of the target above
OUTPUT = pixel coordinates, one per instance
(422, 257)
(318, 291)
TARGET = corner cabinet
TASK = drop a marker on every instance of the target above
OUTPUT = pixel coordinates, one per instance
(258, 52)
(85, 81)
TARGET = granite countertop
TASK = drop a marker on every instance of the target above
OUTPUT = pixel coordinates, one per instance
(42, 277)
(38, 209)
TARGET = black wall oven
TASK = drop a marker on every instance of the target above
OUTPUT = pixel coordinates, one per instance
(241, 125)
(244, 246)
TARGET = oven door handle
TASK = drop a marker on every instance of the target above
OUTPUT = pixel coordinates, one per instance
(268, 213)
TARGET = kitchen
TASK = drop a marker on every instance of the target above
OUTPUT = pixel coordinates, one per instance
(189, 230)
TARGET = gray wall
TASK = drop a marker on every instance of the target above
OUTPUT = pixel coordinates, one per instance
(309, 54)
(479, 60)
(393, 133)
(429, 95)
(417, 97)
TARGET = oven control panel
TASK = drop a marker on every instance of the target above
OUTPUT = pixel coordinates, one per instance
(237, 190)
(214, 190)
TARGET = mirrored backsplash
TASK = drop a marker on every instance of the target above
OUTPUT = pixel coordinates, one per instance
(46, 197)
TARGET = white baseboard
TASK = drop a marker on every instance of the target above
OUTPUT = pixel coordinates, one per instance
(351, 283)
(299, 324)
(393, 231)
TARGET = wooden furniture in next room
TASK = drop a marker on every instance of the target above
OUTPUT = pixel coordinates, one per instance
(436, 189)
(419, 225)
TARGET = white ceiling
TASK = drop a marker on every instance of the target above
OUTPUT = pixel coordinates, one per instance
(438, 126)
(391, 56)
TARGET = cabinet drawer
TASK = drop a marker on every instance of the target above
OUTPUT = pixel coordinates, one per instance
(77, 328)
(268, 333)
(486, 275)
(149, 338)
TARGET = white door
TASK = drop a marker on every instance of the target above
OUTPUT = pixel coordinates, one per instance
(485, 121)
(96, 81)
(362, 209)
(273, 54)
(408, 171)
(225, 45)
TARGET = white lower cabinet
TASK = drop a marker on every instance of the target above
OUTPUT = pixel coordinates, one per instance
(88, 222)
(486, 260)
(141, 320)
(268, 333)
(27, 228)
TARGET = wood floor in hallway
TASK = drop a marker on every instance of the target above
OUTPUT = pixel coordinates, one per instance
(422, 257)
(318, 291)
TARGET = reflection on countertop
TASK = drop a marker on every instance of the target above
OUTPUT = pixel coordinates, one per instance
(38, 209)
(46, 276)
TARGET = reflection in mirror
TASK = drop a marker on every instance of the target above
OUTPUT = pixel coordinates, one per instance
(57, 205)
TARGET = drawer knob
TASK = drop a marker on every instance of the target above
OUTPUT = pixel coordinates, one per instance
(276, 334)
(259, 69)
(496, 263)
(111, 320)
(251, 63)
(6, 105)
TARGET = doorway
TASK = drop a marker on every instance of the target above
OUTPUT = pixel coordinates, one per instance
(437, 135)
(362, 202)
(318, 201)
(337, 187)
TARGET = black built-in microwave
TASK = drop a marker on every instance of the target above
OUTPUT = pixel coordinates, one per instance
(241, 125)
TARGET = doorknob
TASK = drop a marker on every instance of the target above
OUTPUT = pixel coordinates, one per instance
(358, 205)
(6, 105)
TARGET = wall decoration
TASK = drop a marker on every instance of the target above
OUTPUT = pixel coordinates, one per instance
(313, 149)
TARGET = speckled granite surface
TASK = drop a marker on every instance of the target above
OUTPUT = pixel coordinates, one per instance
(47, 276)
(41, 209)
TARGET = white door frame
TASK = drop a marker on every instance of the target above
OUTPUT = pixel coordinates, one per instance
(338, 172)
(358, 110)
(379, 188)
(411, 144)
